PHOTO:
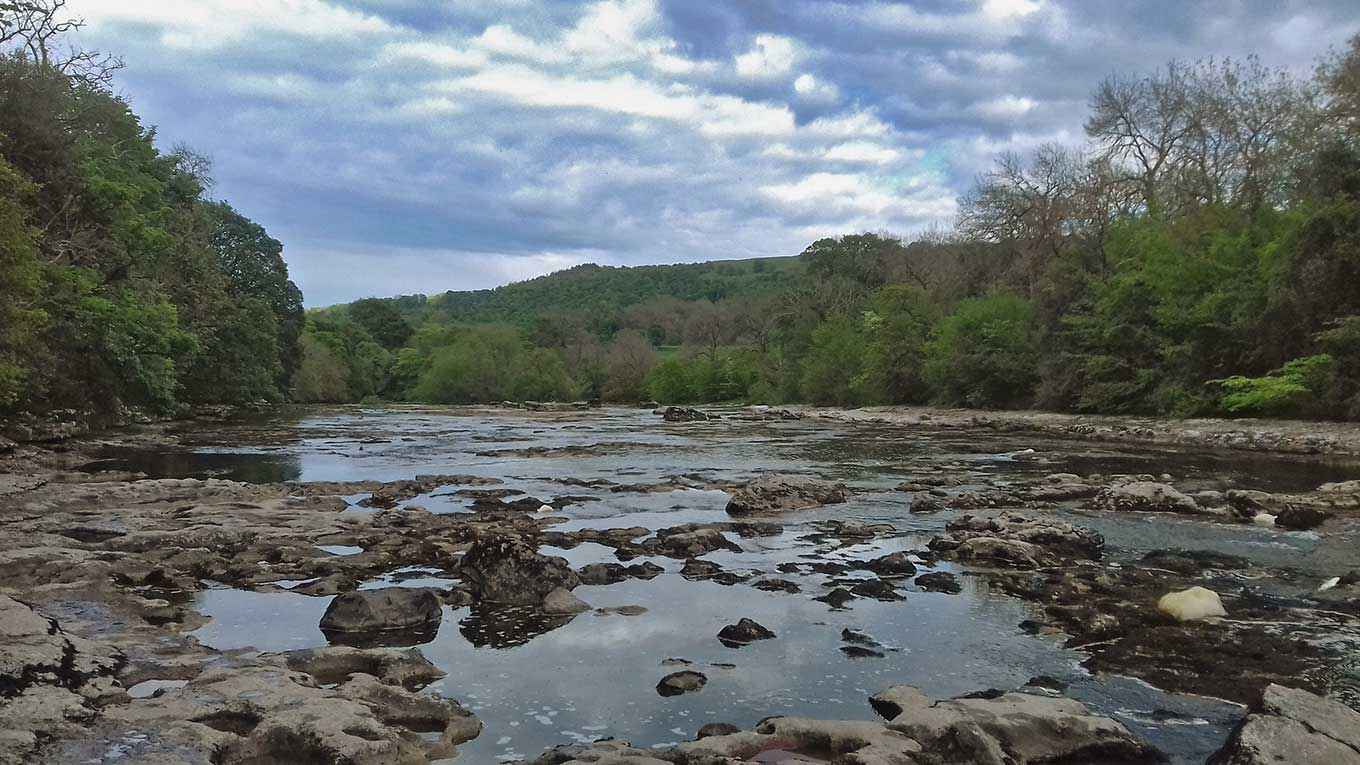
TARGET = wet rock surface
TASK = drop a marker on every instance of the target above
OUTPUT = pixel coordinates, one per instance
(1290, 725)
(1009, 729)
(743, 632)
(388, 610)
(772, 495)
(103, 577)
(506, 569)
(685, 681)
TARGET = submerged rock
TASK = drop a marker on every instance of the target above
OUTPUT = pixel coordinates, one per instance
(333, 664)
(388, 609)
(505, 569)
(772, 495)
(1289, 725)
(685, 681)
(861, 652)
(837, 598)
(1190, 562)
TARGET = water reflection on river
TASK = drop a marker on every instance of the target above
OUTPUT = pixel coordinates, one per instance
(538, 682)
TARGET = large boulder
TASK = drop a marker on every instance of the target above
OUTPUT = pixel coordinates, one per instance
(1017, 541)
(772, 495)
(1146, 497)
(506, 569)
(690, 541)
(1290, 725)
(1191, 605)
(384, 610)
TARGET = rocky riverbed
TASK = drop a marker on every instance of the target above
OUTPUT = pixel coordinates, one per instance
(753, 585)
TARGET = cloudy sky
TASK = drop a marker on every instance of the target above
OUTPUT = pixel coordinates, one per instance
(400, 146)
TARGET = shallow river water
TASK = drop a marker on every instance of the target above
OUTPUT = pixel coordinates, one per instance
(537, 684)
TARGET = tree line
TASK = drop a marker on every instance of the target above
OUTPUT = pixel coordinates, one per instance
(1198, 254)
(124, 283)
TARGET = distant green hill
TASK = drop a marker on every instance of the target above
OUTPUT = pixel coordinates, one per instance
(592, 288)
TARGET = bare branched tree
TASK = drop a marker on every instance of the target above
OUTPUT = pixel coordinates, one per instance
(35, 28)
(1138, 126)
(1340, 73)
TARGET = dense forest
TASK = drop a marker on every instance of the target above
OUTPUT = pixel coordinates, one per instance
(124, 283)
(1200, 254)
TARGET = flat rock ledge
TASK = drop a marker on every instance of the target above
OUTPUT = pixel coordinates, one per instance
(1294, 726)
(1010, 729)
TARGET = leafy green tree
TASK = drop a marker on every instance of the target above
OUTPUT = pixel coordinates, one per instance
(984, 354)
(238, 361)
(670, 382)
(834, 366)
(1289, 390)
(896, 331)
(20, 280)
(322, 376)
(479, 367)
(382, 321)
(540, 375)
(252, 262)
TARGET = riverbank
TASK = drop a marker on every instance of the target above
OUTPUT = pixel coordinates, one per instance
(1302, 437)
(193, 618)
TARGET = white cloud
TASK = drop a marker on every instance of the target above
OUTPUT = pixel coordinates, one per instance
(611, 30)
(862, 151)
(207, 24)
(1007, 106)
(989, 19)
(503, 40)
(435, 53)
(771, 56)
(716, 115)
(863, 196)
(859, 124)
(1008, 10)
(813, 90)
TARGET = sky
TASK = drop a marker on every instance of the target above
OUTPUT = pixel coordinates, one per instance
(404, 146)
